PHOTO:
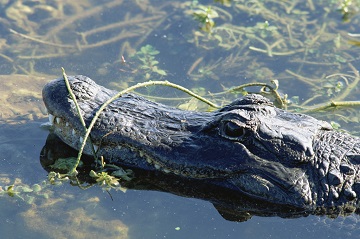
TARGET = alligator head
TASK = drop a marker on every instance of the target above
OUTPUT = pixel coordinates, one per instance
(249, 145)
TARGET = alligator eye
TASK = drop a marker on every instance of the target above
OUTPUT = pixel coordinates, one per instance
(233, 130)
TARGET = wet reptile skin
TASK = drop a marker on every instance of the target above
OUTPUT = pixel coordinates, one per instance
(248, 146)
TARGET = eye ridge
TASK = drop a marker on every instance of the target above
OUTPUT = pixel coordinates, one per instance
(232, 129)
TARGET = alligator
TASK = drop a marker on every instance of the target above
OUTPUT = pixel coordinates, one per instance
(249, 146)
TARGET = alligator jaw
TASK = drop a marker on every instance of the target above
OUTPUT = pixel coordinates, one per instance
(68, 134)
(74, 138)
(259, 171)
(136, 132)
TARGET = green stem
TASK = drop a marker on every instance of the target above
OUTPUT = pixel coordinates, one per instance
(350, 86)
(272, 89)
(72, 172)
(73, 97)
(331, 105)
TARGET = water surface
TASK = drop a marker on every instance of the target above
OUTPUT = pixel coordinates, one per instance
(311, 48)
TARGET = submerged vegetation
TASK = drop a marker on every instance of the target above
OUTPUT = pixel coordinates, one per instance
(148, 63)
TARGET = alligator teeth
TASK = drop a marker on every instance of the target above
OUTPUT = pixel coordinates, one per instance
(67, 124)
(95, 147)
(73, 132)
(166, 170)
(157, 166)
(148, 160)
(81, 139)
(51, 119)
(58, 120)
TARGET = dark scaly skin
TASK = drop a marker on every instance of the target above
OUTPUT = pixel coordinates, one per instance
(248, 146)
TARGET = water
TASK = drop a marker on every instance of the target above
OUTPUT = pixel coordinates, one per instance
(121, 43)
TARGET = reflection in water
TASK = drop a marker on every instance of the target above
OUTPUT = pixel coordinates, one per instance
(231, 205)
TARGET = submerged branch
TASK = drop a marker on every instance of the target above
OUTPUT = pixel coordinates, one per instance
(40, 41)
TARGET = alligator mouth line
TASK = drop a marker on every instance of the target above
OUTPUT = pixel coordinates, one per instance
(73, 137)
(64, 126)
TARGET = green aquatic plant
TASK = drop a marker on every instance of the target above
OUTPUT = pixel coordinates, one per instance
(149, 64)
(10, 191)
(65, 164)
(348, 8)
(332, 88)
(104, 179)
(26, 193)
(205, 16)
(118, 172)
(264, 29)
(226, 3)
(109, 181)
(56, 178)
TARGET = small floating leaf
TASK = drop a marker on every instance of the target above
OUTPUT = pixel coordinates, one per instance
(45, 195)
(25, 189)
(36, 188)
(93, 174)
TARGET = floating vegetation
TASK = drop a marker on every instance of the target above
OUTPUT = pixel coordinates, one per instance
(27, 193)
(104, 179)
(55, 178)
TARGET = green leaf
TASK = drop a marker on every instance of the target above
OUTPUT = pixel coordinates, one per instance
(160, 72)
